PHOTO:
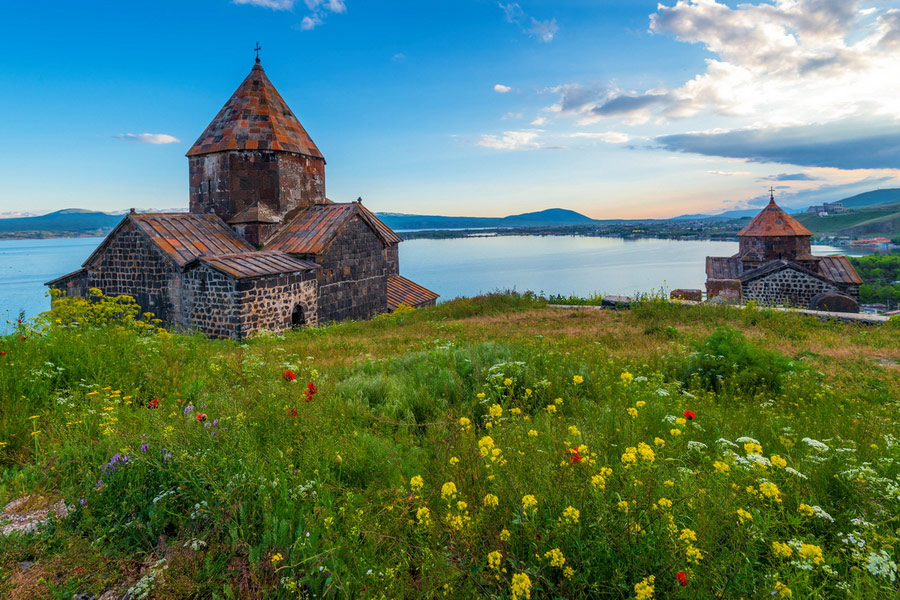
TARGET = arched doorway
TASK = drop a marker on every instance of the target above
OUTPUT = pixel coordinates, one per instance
(298, 318)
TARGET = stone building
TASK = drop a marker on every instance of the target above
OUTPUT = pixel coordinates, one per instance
(775, 266)
(262, 247)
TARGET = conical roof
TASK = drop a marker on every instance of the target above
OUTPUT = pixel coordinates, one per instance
(773, 221)
(256, 117)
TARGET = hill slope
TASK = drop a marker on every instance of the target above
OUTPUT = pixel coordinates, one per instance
(549, 217)
(883, 219)
(70, 220)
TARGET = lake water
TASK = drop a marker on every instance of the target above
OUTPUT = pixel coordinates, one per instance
(568, 265)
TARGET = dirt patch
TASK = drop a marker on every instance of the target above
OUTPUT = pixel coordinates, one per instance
(28, 512)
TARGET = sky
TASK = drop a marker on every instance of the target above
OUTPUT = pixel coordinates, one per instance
(613, 108)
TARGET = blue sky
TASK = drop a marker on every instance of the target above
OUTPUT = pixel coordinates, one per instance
(470, 107)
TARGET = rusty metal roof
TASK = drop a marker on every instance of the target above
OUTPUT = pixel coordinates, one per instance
(256, 117)
(257, 264)
(185, 236)
(839, 269)
(257, 213)
(772, 221)
(401, 290)
(723, 267)
(313, 229)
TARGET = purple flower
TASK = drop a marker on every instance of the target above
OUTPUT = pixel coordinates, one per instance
(99, 483)
(216, 423)
(207, 425)
(83, 502)
(188, 408)
(144, 447)
(116, 460)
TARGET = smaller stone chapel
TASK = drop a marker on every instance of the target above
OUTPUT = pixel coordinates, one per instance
(775, 266)
(261, 247)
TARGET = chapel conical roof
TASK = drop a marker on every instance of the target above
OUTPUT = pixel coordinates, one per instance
(773, 221)
(256, 117)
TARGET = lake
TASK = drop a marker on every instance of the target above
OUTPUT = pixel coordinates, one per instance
(568, 265)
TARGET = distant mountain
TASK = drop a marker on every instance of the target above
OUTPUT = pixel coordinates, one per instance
(864, 200)
(543, 218)
(68, 221)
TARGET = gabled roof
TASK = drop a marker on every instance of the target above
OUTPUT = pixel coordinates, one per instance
(772, 221)
(839, 269)
(401, 290)
(181, 236)
(256, 117)
(778, 265)
(313, 229)
(256, 264)
(723, 267)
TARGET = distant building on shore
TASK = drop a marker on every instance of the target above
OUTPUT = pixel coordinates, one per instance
(775, 266)
(262, 248)
(829, 208)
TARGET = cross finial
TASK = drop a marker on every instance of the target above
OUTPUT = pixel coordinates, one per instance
(772, 194)
(257, 49)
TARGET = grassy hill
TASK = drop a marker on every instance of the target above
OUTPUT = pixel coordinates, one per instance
(881, 220)
(491, 448)
(544, 218)
(72, 221)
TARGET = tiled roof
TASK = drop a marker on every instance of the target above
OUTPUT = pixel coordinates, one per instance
(312, 230)
(723, 267)
(401, 290)
(772, 221)
(839, 269)
(256, 264)
(256, 117)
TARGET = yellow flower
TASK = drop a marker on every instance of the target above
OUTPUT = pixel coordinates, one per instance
(778, 461)
(622, 506)
(693, 554)
(571, 514)
(675, 432)
(626, 377)
(521, 586)
(558, 401)
(687, 535)
(751, 448)
(33, 433)
(495, 411)
(480, 395)
(569, 572)
(577, 379)
(515, 411)
(811, 552)
(462, 506)
(465, 423)
(743, 516)
(783, 591)
(806, 510)
(782, 550)
(659, 442)
(669, 483)
(32, 417)
(644, 589)
(494, 558)
(533, 432)
(680, 421)
(485, 445)
(770, 490)
(646, 452)
(664, 502)
(2, 444)
(551, 408)
(528, 391)
(630, 455)
(529, 502)
(721, 467)
(423, 516)
(448, 490)
(640, 404)
(507, 382)
(491, 501)
(573, 430)
(453, 460)
(416, 482)
(632, 411)
(556, 557)
(277, 558)
(504, 535)
(599, 482)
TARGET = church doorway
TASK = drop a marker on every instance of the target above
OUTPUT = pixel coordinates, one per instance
(298, 319)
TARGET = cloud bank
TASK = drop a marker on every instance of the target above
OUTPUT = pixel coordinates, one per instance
(148, 138)
(544, 31)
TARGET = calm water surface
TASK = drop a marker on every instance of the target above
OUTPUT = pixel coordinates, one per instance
(456, 267)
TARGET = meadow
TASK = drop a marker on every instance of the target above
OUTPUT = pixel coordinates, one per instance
(490, 447)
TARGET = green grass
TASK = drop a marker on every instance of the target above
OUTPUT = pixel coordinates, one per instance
(873, 220)
(493, 395)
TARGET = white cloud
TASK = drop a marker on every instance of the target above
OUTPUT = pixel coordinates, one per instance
(399, 57)
(310, 22)
(318, 10)
(539, 121)
(730, 173)
(610, 137)
(273, 4)
(545, 31)
(502, 89)
(148, 138)
(512, 140)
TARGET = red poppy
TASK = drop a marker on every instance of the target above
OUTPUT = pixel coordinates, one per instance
(2, 352)
(312, 387)
(689, 415)
(153, 403)
(289, 376)
(293, 412)
(576, 456)
(23, 338)
(681, 576)
(201, 417)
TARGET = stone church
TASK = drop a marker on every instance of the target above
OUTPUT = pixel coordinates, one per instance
(262, 248)
(775, 266)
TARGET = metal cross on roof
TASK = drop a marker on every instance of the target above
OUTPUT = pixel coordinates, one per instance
(257, 49)
(772, 193)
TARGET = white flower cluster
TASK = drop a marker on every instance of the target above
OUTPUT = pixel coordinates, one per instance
(815, 444)
(880, 564)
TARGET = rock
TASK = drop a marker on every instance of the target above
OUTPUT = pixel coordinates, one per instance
(28, 512)
(617, 301)
(25, 566)
(834, 302)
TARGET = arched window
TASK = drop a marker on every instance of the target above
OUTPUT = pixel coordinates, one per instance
(298, 319)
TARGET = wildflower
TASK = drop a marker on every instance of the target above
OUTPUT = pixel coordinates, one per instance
(629, 456)
(680, 421)
(528, 391)
(33, 417)
(646, 452)
(550, 408)
(577, 379)
(277, 558)
(674, 432)
(598, 481)
(521, 586)
(480, 395)
(485, 445)
(669, 483)
(188, 409)
(338, 459)
(664, 502)
(771, 491)
(294, 412)
(751, 448)
(416, 482)
(201, 417)
(693, 554)
(811, 552)
(644, 589)
(622, 506)
(448, 490)
(36, 432)
(721, 467)
(690, 415)
(516, 411)
(640, 404)
(507, 382)
(504, 535)
(494, 558)
(289, 375)
(682, 577)
(576, 456)
(626, 377)
(145, 447)
(453, 460)
(782, 591)
(659, 442)
(153, 403)
(573, 430)
(569, 572)
(533, 432)
(571, 514)
(632, 411)
(782, 550)
(687, 535)
(423, 516)
(465, 423)
(491, 501)
(743, 516)
(806, 510)
(311, 390)
(495, 411)
(556, 557)
(462, 506)
(778, 461)
(529, 503)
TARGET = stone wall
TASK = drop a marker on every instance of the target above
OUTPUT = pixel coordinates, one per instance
(392, 259)
(270, 303)
(773, 247)
(786, 287)
(352, 281)
(208, 302)
(729, 290)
